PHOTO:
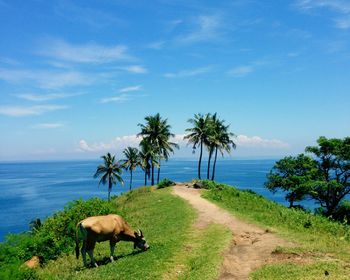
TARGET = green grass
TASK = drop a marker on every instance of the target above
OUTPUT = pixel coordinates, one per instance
(315, 271)
(206, 258)
(178, 250)
(165, 221)
(202, 255)
(311, 234)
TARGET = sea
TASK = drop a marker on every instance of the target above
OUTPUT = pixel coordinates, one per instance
(30, 190)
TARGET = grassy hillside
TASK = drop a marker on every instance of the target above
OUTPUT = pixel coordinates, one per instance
(323, 246)
(178, 251)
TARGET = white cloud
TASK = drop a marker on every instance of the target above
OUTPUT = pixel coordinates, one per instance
(84, 53)
(241, 71)
(132, 88)
(48, 125)
(157, 45)
(340, 7)
(92, 17)
(9, 61)
(19, 111)
(343, 23)
(45, 79)
(124, 96)
(206, 28)
(135, 69)
(188, 72)
(244, 70)
(259, 142)
(45, 97)
(120, 143)
(336, 5)
(118, 99)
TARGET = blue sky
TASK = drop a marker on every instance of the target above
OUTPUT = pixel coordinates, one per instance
(76, 77)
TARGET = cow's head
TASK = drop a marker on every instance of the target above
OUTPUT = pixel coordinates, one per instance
(140, 241)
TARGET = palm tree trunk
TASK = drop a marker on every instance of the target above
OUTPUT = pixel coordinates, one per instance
(214, 165)
(208, 170)
(145, 177)
(200, 161)
(130, 179)
(158, 175)
(152, 166)
(109, 188)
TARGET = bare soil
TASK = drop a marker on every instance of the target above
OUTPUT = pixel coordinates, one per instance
(251, 246)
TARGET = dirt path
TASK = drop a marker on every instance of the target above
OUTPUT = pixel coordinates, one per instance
(251, 246)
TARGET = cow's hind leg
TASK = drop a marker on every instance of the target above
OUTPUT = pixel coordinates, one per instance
(83, 253)
(112, 244)
(90, 250)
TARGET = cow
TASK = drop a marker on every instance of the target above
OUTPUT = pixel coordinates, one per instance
(102, 228)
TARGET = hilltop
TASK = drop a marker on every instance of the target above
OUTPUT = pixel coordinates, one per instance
(251, 236)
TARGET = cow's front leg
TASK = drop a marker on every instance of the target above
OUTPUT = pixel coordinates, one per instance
(112, 244)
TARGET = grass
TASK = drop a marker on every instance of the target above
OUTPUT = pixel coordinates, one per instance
(178, 251)
(203, 254)
(311, 234)
(315, 271)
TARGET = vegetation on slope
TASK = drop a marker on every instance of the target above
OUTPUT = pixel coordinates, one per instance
(178, 251)
(325, 241)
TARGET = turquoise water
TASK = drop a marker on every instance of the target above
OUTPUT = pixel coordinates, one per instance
(37, 189)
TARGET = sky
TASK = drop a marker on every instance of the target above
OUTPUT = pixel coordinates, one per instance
(77, 77)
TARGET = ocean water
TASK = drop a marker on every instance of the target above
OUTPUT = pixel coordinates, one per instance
(38, 189)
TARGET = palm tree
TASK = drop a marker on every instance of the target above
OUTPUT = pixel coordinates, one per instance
(110, 171)
(221, 140)
(198, 134)
(146, 153)
(157, 132)
(208, 140)
(131, 161)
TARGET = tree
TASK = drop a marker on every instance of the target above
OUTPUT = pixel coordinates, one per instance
(221, 140)
(110, 171)
(198, 134)
(131, 161)
(157, 132)
(333, 160)
(208, 141)
(293, 175)
(145, 154)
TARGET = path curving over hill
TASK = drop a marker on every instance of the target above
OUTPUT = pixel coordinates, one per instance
(251, 246)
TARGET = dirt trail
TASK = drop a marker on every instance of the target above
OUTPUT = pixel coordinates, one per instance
(251, 246)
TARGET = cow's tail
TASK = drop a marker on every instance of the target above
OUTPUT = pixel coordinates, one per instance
(77, 251)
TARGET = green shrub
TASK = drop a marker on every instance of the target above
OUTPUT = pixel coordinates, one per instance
(165, 183)
(55, 236)
(210, 185)
(17, 271)
(342, 213)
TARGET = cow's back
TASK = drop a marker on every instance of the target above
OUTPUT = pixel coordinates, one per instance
(103, 226)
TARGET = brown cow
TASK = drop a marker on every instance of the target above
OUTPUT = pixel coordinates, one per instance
(102, 228)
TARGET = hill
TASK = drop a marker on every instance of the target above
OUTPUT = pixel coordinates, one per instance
(315, 247)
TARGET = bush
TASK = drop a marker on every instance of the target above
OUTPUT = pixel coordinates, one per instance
(55, 236)
(165, 183)
(210, 185)
(17, 271)
(342, 213)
